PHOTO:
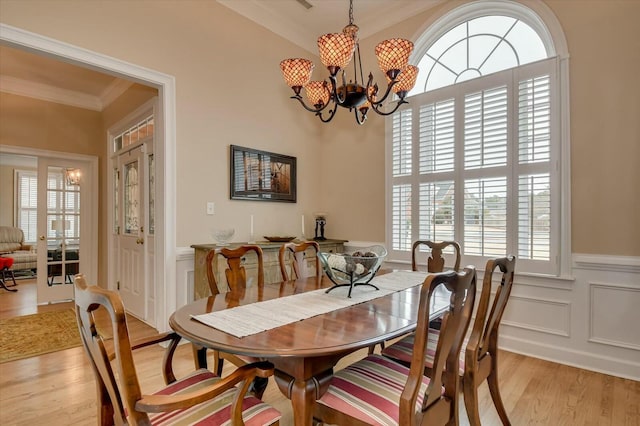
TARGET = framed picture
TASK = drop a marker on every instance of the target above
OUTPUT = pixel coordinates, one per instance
(262, 176)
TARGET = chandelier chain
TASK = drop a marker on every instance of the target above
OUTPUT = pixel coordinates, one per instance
(350, 12)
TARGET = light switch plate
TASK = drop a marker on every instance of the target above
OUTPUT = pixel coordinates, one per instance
(211, 208)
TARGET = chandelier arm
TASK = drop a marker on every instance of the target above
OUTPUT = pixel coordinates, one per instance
(386, 93)
(316, 110)
(360, 119)
(332, 112)
(334, 88)
(380, 112)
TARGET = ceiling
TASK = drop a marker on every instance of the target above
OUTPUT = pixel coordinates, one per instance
(302, 25)
(50, 79)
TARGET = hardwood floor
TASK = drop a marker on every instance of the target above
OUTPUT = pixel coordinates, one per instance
(58, 388)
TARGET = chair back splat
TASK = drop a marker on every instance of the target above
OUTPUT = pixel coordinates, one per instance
(435, 261)
(235, 273)
(295, 252)
(410, 398)
(236, 276)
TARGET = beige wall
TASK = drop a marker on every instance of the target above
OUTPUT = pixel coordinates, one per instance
(46, 125)
(229, 91)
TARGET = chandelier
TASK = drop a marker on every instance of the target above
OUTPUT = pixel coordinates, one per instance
(336, 52)
(72, 176)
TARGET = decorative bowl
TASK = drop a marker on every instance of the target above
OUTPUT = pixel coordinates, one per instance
(358, 266)
(223, 235)
(279, 239)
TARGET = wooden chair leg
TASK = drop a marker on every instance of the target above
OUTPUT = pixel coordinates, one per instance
(470, 391)
(492, 380)
(218, 363)
(199, 356)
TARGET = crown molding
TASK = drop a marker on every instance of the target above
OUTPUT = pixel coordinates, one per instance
(18, 86)
(113, 91)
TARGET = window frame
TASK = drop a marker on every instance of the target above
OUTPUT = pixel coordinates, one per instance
(544, 22)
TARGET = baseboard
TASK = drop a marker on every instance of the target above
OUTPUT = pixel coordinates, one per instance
(580, 359)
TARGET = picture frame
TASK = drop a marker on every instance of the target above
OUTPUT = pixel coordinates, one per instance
(261, 175)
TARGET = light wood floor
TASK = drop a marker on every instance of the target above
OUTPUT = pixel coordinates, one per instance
(58, 388)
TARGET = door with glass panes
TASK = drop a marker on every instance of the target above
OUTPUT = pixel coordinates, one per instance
(133, 218)
(59, 228)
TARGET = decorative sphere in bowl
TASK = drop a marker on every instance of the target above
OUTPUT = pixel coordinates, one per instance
(356, 266)
(223, 236)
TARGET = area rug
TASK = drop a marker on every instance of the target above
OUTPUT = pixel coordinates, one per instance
(37, 334)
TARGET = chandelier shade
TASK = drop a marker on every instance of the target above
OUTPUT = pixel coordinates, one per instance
(336, 51)
(393, 55)
(296, 71)
(406, 79)
(318, 93)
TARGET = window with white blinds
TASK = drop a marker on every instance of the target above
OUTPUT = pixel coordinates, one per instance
(27, 204)
(473, 162)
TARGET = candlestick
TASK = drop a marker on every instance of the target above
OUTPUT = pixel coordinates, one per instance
(302, 235)
(251, 237)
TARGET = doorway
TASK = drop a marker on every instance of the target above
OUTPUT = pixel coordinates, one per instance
(59, 218)
(164, 273)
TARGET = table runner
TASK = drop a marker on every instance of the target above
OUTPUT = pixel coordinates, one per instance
(274, 313)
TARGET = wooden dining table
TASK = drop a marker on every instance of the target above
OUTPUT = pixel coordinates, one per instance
(305, 352)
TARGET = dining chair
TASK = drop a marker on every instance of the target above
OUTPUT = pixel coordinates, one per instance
(380, 391)
(292, 256)
(236, 283)
(479, 356)
(199, 397)
(435, 261)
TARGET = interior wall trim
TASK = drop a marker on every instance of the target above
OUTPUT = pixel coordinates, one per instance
(602, 262)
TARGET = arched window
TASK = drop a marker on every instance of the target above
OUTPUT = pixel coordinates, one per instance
(475, 155)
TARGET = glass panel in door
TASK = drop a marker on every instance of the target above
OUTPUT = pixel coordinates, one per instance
(59, 226)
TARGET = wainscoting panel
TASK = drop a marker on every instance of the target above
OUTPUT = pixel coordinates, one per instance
(620, 329)
(546, 316)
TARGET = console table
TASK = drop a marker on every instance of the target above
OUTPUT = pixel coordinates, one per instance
(270, 259)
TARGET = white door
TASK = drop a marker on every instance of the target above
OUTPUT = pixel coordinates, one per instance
(59, 228)
(130, 243)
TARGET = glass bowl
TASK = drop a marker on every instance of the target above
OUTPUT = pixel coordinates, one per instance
(223, 236)
(352, 268)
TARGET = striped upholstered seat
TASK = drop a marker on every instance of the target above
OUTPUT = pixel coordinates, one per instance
(402, 350)
(367, 390)
(216, 411)
(380, 391)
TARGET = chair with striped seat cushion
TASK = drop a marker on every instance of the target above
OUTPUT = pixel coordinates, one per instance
(200, 398)
(236, 284)
(435, 263)
(379, 391)
(479, 354)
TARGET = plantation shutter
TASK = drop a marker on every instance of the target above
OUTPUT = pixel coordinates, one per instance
(27, 204)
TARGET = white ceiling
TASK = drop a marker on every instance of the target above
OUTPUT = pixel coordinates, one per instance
(51, 79)
(291, 20)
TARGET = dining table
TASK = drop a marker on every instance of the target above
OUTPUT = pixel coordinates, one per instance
(305, 352)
